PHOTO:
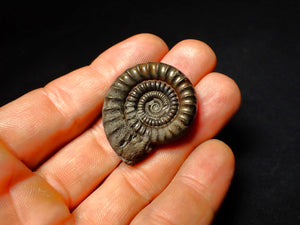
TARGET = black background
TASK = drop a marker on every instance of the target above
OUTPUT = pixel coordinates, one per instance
(256, 43)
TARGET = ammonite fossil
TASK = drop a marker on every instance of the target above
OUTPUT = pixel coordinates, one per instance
(147, 105)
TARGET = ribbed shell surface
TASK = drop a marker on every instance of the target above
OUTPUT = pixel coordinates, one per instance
(149, 104)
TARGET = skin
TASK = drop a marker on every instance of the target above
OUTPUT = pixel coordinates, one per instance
(56, 166)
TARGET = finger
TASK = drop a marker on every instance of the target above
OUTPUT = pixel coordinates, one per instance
(36, 124)
(90, 156)
(25, 198)
(195, 58)
(135, 187)
(197, 190)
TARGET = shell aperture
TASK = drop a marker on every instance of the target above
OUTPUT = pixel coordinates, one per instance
(149, 104)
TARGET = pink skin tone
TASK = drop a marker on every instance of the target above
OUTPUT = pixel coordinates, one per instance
(56, 166)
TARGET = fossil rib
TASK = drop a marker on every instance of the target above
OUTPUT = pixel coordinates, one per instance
(149, 104)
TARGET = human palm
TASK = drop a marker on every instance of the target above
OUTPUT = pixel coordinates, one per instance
(56, 166)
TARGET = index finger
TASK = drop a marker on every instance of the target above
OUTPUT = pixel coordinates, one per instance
(38, 123)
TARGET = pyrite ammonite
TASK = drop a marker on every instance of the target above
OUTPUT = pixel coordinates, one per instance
(149, 104)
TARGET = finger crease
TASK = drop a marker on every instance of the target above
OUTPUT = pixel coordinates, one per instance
(57, 101)
(142, 184)
(160, 218)
(198, 187)
(15, 209)
(113, 71)
(59, 186)
(95, 131)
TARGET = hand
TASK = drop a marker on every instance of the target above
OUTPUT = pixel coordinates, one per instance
(56, 166)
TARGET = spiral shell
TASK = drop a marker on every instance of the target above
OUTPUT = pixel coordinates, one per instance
(149, 104)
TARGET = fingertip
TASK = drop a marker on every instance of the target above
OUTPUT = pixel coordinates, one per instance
(219, 99)
(228, 86)
(193, 57)
(222, 151)
(196, 48)
(151, 39)
(212, 163)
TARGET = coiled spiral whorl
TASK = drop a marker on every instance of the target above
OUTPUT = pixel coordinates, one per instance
(149, 104)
